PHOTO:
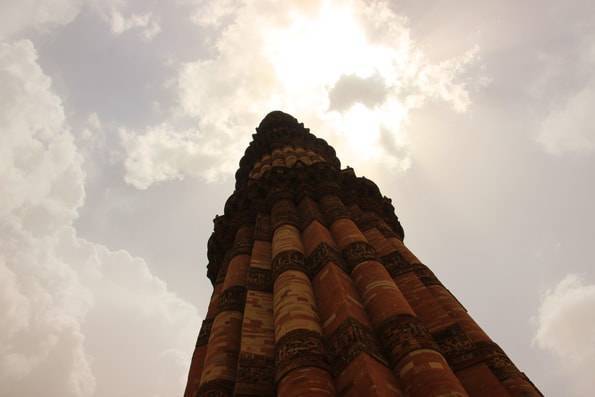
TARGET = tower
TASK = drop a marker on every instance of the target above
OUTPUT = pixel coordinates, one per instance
(315, 293)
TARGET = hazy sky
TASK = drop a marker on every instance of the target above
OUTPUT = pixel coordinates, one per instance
(123, 121)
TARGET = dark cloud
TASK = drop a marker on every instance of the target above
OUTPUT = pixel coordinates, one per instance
(351, 89)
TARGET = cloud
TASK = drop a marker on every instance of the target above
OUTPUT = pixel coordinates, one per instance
(571, 127)
(78, 318)
(19, 16)
(349, 70)
(565, 323)
(145, 23)
(163, 153)
(351, 89)
(213, 13)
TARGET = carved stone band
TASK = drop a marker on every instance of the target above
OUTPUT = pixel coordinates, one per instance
(241, 248)
(349, 340)
(255, 375)
(233, 298)
(259, 280)
(454, 344)
(501, 365)
(460, 352)
(402, 334)
(297, 349)
(287, 260)
(358, 252)
(321, 255)
(397, 265)
(426, 276)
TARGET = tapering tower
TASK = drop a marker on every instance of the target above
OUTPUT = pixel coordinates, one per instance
(315, 293)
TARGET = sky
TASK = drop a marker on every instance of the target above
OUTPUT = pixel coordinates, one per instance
(122, 123)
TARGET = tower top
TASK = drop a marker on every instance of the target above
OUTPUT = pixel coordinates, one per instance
(276, 119)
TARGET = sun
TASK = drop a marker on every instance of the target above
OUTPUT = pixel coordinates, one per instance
(313, 49)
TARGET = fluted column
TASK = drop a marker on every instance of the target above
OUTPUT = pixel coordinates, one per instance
(200, 351)
(356, 359)
(219, 373)
(479, 363)
(455, 340)
(421, 370)
(256, 363)
(301, 362)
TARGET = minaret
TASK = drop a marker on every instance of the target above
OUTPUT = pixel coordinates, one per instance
(315, 293)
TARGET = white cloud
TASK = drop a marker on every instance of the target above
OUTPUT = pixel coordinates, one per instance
(565, 324)
(77, 318)
(145, 23)
(164, 153)
(212, 13)
(19, 16)
(291, 56)
(571, 127)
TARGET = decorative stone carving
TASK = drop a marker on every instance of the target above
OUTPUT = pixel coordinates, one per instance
(242, 246)
(501, 365)
(233, 298)
(321, 255)
(426, 276)
(396, 264)
(493, 356)
(461, 352)
(259, 280)
(402, 334)
(288, 260)
(349, 340)
(255, 375)
(454, 344)
(358, 252)
(297, 349)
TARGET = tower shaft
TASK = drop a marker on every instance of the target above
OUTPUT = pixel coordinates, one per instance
(315, 293)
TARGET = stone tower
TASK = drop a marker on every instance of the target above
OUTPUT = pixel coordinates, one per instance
(315, 293)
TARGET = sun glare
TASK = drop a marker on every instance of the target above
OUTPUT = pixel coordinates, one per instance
(315, 49)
